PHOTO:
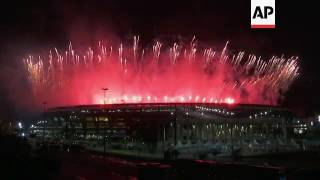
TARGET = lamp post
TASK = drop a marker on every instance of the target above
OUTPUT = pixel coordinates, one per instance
(104, 124)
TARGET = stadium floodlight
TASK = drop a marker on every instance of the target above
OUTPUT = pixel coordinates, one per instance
(104, 94)
(104, 126)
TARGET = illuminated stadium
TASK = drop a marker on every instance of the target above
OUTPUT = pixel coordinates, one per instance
(192, 129)
(180, 97)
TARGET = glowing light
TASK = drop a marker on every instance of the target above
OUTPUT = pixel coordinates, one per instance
(138, 75)
(125, 98)
(20, 125)
(101, 101)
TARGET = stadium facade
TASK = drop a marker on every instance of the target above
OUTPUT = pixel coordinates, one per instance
(189, 129)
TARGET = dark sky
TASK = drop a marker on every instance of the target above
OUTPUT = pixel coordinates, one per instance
(27, 26)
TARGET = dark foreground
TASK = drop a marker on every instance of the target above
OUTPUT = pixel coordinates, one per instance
(20, 161)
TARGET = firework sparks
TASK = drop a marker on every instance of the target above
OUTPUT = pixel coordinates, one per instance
(181, 73)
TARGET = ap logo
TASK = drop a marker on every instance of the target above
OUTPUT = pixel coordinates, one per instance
(263, 14)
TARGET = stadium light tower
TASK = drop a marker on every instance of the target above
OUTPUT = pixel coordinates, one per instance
(104, 124)
(104, 94)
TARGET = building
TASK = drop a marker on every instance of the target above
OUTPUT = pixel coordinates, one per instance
(192, 129)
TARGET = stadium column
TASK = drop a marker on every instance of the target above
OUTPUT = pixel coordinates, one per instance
(284, 128)
(178, 132)
(44, 121)
(175, 125)
(104, 138)
(66, 126)
(164, 133)
(267, 129)
(84, 127)
(213, 132)
(96, 127)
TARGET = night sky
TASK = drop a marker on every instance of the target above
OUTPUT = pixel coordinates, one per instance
(37, 25)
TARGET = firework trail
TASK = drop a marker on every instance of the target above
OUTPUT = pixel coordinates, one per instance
(178, 73)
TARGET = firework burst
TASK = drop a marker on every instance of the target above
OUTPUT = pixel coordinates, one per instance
(176, 73)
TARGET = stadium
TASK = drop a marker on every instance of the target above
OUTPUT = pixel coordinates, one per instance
(191, 130)
(162, 99)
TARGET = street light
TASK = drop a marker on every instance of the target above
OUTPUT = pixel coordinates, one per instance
(104, 125)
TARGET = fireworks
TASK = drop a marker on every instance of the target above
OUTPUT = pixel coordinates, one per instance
(160, 73)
